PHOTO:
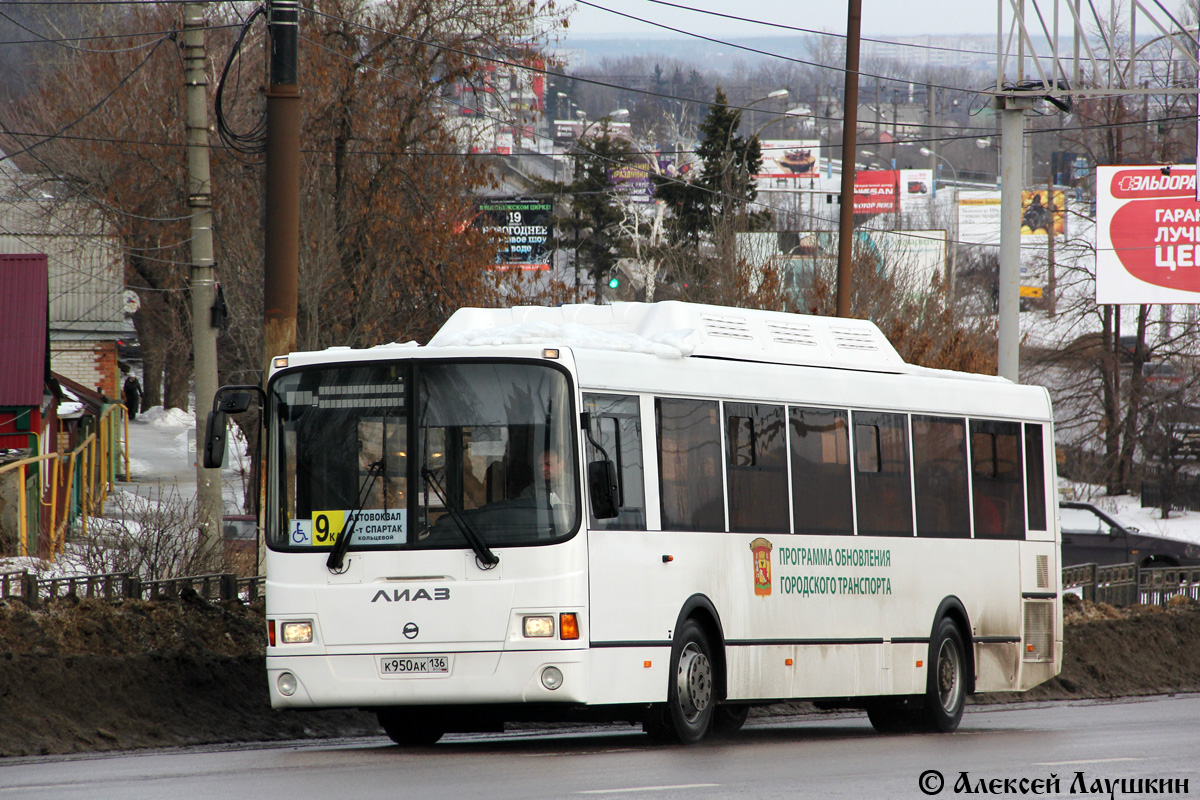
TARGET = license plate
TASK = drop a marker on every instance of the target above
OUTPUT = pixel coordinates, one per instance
(414, 665)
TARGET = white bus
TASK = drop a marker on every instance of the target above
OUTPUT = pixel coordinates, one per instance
(659, 513)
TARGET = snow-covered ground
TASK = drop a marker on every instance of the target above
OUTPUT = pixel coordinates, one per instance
(160, 458)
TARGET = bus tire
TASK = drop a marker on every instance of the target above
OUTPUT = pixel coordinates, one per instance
(691, 702)
(890, 716)
(409, 730)
(729, 719)
(946, 685)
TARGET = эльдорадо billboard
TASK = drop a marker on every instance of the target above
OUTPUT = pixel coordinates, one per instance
(1147, 235)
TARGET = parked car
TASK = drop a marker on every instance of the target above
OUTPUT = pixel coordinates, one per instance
(1090, 536)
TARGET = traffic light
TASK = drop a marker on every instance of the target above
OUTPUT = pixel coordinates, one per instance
(614, 282)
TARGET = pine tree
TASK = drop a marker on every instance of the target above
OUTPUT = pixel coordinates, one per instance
(589, 223)
(724, 188)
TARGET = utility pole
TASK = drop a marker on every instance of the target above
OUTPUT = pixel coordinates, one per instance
(281, 268)
(201, 275)
(931, 114)
(282, 254)
(845, 273)
(1012, 158)
(1051, 276)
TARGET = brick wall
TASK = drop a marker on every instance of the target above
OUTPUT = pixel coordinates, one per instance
(94, 364)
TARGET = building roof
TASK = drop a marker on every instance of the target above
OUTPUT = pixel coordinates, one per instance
(24, 339)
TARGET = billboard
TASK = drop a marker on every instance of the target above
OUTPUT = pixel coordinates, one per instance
(876, 191)
(979, 216)
(524, 228)
(1147, 232)
(789, 158)
(632, 181)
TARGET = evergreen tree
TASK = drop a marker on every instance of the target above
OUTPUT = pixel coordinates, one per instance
(724, 188)
(590, 222)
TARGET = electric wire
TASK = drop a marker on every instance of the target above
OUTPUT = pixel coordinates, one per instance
(90, 111)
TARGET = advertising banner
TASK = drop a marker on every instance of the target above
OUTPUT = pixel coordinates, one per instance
(524, 226)
(1147, 235)
(789, 158)
(875, 191)
(633, 181)
(979, 216)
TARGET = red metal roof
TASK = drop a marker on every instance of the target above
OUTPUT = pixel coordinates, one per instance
(24, 335)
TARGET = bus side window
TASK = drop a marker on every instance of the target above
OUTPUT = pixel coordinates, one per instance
(997, 489)
(820, 443)
(689, 465)
(756, 466)
(881, 476)
(617, 427)
(1035, 477)
(940, 476)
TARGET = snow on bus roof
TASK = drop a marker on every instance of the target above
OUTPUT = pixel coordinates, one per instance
(673, 329)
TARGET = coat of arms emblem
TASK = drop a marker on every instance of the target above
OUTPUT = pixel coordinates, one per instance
(760, 550)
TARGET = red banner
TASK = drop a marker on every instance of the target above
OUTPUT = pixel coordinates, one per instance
(875, 191)
(1148, 235)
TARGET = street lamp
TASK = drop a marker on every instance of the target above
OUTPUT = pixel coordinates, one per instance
(925, 151)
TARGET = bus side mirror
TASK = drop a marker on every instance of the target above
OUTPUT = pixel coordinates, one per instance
(602, 486)
(214, 440)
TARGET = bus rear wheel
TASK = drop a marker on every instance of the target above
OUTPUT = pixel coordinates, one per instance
(408, 729)
(688, 715)
(946, 686)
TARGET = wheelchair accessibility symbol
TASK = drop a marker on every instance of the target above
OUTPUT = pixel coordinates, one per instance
(301, 535)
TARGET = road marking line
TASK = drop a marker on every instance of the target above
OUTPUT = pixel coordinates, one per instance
(1088, 761)
(650, 788)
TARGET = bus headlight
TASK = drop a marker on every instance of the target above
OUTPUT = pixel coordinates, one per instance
(287, 684)
(539, 627)
(552, 678)
(296, 632)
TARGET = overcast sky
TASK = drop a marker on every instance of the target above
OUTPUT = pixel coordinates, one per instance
(880, 18)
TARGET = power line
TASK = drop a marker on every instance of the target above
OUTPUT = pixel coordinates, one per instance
(41, 39)
(813, 31)
(93, 109)
(755, 50)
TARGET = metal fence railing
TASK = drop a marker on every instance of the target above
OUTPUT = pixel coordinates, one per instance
(111, 586)
(1126, 584)
(1117, 585)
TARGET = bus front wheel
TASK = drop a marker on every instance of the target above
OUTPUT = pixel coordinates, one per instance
(688, 715)
(408, 729)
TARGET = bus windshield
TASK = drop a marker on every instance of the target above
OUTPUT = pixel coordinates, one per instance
(402, 445)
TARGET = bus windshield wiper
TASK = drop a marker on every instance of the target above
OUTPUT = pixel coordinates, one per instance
(483, 554)
(338, 554)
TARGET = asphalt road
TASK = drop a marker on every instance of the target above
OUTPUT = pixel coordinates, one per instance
(823, 756)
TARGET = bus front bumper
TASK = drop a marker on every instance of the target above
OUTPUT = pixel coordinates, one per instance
(342, 681)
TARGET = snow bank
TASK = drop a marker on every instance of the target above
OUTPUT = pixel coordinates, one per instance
(160, 417)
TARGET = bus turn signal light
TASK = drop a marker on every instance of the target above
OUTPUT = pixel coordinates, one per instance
(271, 632)
(568, 625)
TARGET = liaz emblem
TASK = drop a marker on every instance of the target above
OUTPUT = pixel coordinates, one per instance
(760, 549)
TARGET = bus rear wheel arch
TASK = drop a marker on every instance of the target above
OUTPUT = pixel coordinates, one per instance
(948, 682)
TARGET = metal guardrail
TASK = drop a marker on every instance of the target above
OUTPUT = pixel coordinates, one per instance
(114, 585)
(1117, 585)
(1126, 584)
